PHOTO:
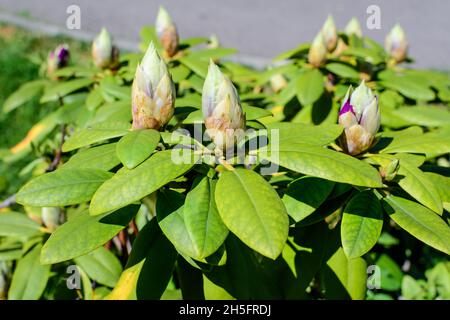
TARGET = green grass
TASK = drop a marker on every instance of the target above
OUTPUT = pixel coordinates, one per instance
(21, 56)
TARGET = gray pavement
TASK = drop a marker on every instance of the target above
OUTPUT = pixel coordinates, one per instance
(260, 29)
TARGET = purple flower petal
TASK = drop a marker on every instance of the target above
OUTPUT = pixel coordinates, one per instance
(347, 108)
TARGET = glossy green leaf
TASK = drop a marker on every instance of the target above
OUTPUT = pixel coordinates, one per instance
(390, 275)
(84, 233)
(309, 86)
(416, 183)
(419, 221)
(101, 265)
(25, 93)
(198, 66)
(322, 163)
(259, 218)
(95, 133)
(432, 116)
(103, 157)
(305, 195)
(94, 99)
(429, 144)
(136, 146)
(64, 88)
(128, 186)
(351, 273)
(409, 86)
(30, 277)
(442, 185)
(17, 224)
(62, 188)
(342, 70)
(287, 133)
(361, 226)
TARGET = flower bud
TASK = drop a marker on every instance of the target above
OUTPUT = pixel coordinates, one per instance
(360, 117)
(51, 217)
(167, 32)
(353, 28)
(390, 171)
(278, 82)
(317, 54)
(58, 58)
(152, 93)
(104, 53)
(222, 110)
(396, 44)
(329, 34)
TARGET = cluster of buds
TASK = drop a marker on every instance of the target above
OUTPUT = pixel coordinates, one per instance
(57, 59)
(353, 28)
(222, 111)
(360, 117)
(396, 44)
(167, 32)
(152, 93)
(324, 42)
(104, 53)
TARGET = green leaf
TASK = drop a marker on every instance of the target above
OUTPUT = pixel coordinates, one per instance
(351, 273)
(429, 144)
(432, 116)
(198, 66)
(62, 188)
(309, 86)
(25, 93)
(442, 185)
(103, 157)
(136, 146)
(15, 224)
(129, 186)
(64, 88)
(305, 195)
(419, 221)
(301, 133)
(149, 268)
(84, 233)
(342, 70)
(30, 277)
(409, 86)
(416, 183)
(315, 161)
(97, 132)
(391, 275)
(212, 53)
(94, 99)
(259, 218)
(101, 265)
(196, 228)
(361, 226)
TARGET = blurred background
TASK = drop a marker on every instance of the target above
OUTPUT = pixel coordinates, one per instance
(260, 29)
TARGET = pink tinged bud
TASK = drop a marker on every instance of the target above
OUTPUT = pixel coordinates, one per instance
(167, 32)
(317, 54)
(360, 116)
(396, 44)
(222, 110)
(58, 58)
(353, 28)
(152, 93)
(104, 53)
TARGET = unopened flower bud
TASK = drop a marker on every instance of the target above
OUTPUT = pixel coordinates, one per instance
(152, 93)
(167, 32)
(222, 110)
(396, 44)
(51, 217)
(278, 82)
(390, 171)
(353, 28)
(58, 58)
(317, 54)
(104, 53)
(213, 42)
(360, 117)
(329, 34)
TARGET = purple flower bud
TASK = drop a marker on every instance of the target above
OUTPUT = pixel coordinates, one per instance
(360, 116)
(58, 58)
